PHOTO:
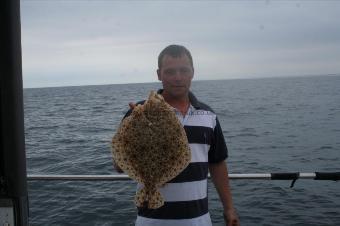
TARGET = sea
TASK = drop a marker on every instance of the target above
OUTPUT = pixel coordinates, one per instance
(271, 125)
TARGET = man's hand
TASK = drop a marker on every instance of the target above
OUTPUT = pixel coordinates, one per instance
(231, 218)
(132, 105)
(118, 169)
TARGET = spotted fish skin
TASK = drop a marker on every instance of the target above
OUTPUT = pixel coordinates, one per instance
(151, 146)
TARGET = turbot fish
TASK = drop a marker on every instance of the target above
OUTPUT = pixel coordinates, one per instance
(151, 146)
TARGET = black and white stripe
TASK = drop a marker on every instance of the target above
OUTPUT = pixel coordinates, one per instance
(186, 200)
(177, 210)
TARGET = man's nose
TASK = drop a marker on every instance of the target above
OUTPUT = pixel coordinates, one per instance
(178, 75)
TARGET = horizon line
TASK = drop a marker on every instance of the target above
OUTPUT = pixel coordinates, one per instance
(199, 80)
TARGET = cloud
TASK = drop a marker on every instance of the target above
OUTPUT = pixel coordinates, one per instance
(84, 42)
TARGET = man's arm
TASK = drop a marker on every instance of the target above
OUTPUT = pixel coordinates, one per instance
(219, 176)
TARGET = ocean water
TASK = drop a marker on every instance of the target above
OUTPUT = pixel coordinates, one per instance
(270, 125)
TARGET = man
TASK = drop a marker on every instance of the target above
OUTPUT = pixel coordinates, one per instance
(186, 201)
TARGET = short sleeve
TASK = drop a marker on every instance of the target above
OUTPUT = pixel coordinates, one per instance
(218, 149)
(128, 113)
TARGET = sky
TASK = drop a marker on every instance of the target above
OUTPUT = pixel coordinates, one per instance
(72, 43)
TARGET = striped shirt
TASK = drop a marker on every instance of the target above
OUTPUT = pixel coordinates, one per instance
(186, 199)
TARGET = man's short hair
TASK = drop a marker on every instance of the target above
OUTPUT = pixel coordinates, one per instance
(174, 51)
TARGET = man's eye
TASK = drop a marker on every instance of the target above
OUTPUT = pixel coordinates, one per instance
(184, 70)
(170, 72)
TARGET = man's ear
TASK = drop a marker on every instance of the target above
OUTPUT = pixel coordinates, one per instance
(159, 74)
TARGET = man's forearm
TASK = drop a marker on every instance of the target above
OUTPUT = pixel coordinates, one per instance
(219, 176)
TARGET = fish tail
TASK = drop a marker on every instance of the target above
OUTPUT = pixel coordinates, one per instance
(155, 200)
(152, 200)
(141, 197)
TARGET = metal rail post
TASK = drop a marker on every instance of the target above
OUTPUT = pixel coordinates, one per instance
(13, 184)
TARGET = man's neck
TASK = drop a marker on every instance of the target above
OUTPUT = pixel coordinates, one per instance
(181, 104)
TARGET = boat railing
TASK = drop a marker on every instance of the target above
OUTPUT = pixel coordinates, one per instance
(335, 176)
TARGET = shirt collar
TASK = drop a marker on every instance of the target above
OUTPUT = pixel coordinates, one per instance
(193, 100)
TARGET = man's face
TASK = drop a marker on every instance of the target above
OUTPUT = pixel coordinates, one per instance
(176, 74)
